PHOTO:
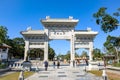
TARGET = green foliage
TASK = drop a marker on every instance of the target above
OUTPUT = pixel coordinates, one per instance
(76, 55)
(111, 43)
(67, 56)
(116, 64)
(97, 54)
(84, 54)
(107, 22)
(61, 56)
(36, 53)
(17, 47)
(3, 34)
(2, 66)
(51, 53)
(117, 13)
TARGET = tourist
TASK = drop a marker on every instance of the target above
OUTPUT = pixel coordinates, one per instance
(73, 63)
(58, 64)
(86, 62)
(46, 65)
(53, 64)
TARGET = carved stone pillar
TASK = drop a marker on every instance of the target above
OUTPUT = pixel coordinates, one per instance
(26, 50)
(90, 51)
(72, 50)
(46, 50)
(46, 46)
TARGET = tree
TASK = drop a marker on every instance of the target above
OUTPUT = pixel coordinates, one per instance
(51, 53)
(12, 49)
(111, 44)
(36, 53)
(61, 56)
(76, 55)
(67, 56)
(17, 47)
(117, 14)
(97, 54)
(84, 54)
(39, 53)
(107, 22)
(3, 34)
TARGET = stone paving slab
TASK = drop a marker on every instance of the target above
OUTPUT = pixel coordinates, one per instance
(64, 73)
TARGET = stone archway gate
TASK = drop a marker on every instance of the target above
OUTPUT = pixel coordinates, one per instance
(59, 29)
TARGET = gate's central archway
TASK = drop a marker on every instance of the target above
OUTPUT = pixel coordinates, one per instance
(59, 29)
(61, 47)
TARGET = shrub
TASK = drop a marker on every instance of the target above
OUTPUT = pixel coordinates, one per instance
(3, 66)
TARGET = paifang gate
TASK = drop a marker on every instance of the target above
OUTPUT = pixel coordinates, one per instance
(59, 28)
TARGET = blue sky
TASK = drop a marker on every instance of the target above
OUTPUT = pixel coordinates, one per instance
(17, 15)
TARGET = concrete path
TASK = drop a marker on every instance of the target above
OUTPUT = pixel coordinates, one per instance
(63, 73)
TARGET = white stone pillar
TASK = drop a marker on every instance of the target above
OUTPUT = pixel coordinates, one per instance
(72, 49)
(26, 50)
(46, 46)
(90, 55)
(46, 51)
(90, 51)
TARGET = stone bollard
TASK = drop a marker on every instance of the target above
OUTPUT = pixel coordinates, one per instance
(104, 75)
(21, 76)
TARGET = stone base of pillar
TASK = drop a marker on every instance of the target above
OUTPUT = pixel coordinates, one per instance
(71, 63)
(93, 65)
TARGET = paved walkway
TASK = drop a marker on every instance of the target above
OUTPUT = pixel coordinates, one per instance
(63, 73)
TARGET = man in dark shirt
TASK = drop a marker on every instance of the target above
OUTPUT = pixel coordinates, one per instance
(46, 65)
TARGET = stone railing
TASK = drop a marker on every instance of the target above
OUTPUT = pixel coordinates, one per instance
(19, 65)
(16, 66)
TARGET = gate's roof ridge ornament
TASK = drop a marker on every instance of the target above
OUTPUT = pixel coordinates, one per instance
(29, 28)
(70, 19)
(33, 32)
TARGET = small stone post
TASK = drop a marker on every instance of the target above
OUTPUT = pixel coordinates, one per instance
(21, 76)
(104, 75)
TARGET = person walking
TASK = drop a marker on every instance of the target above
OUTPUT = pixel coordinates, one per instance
(54, 64)
(73, 63)
(46, 65)
(86, 62)
(58, 64)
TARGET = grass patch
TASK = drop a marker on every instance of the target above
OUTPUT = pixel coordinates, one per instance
(14, 76)
(27, 74)
(111, 76)
(2, 66)
(96, 72)
(116, 64)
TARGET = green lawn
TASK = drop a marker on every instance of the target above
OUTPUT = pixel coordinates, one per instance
(14, 76)
(116, 64)
(111, 76)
